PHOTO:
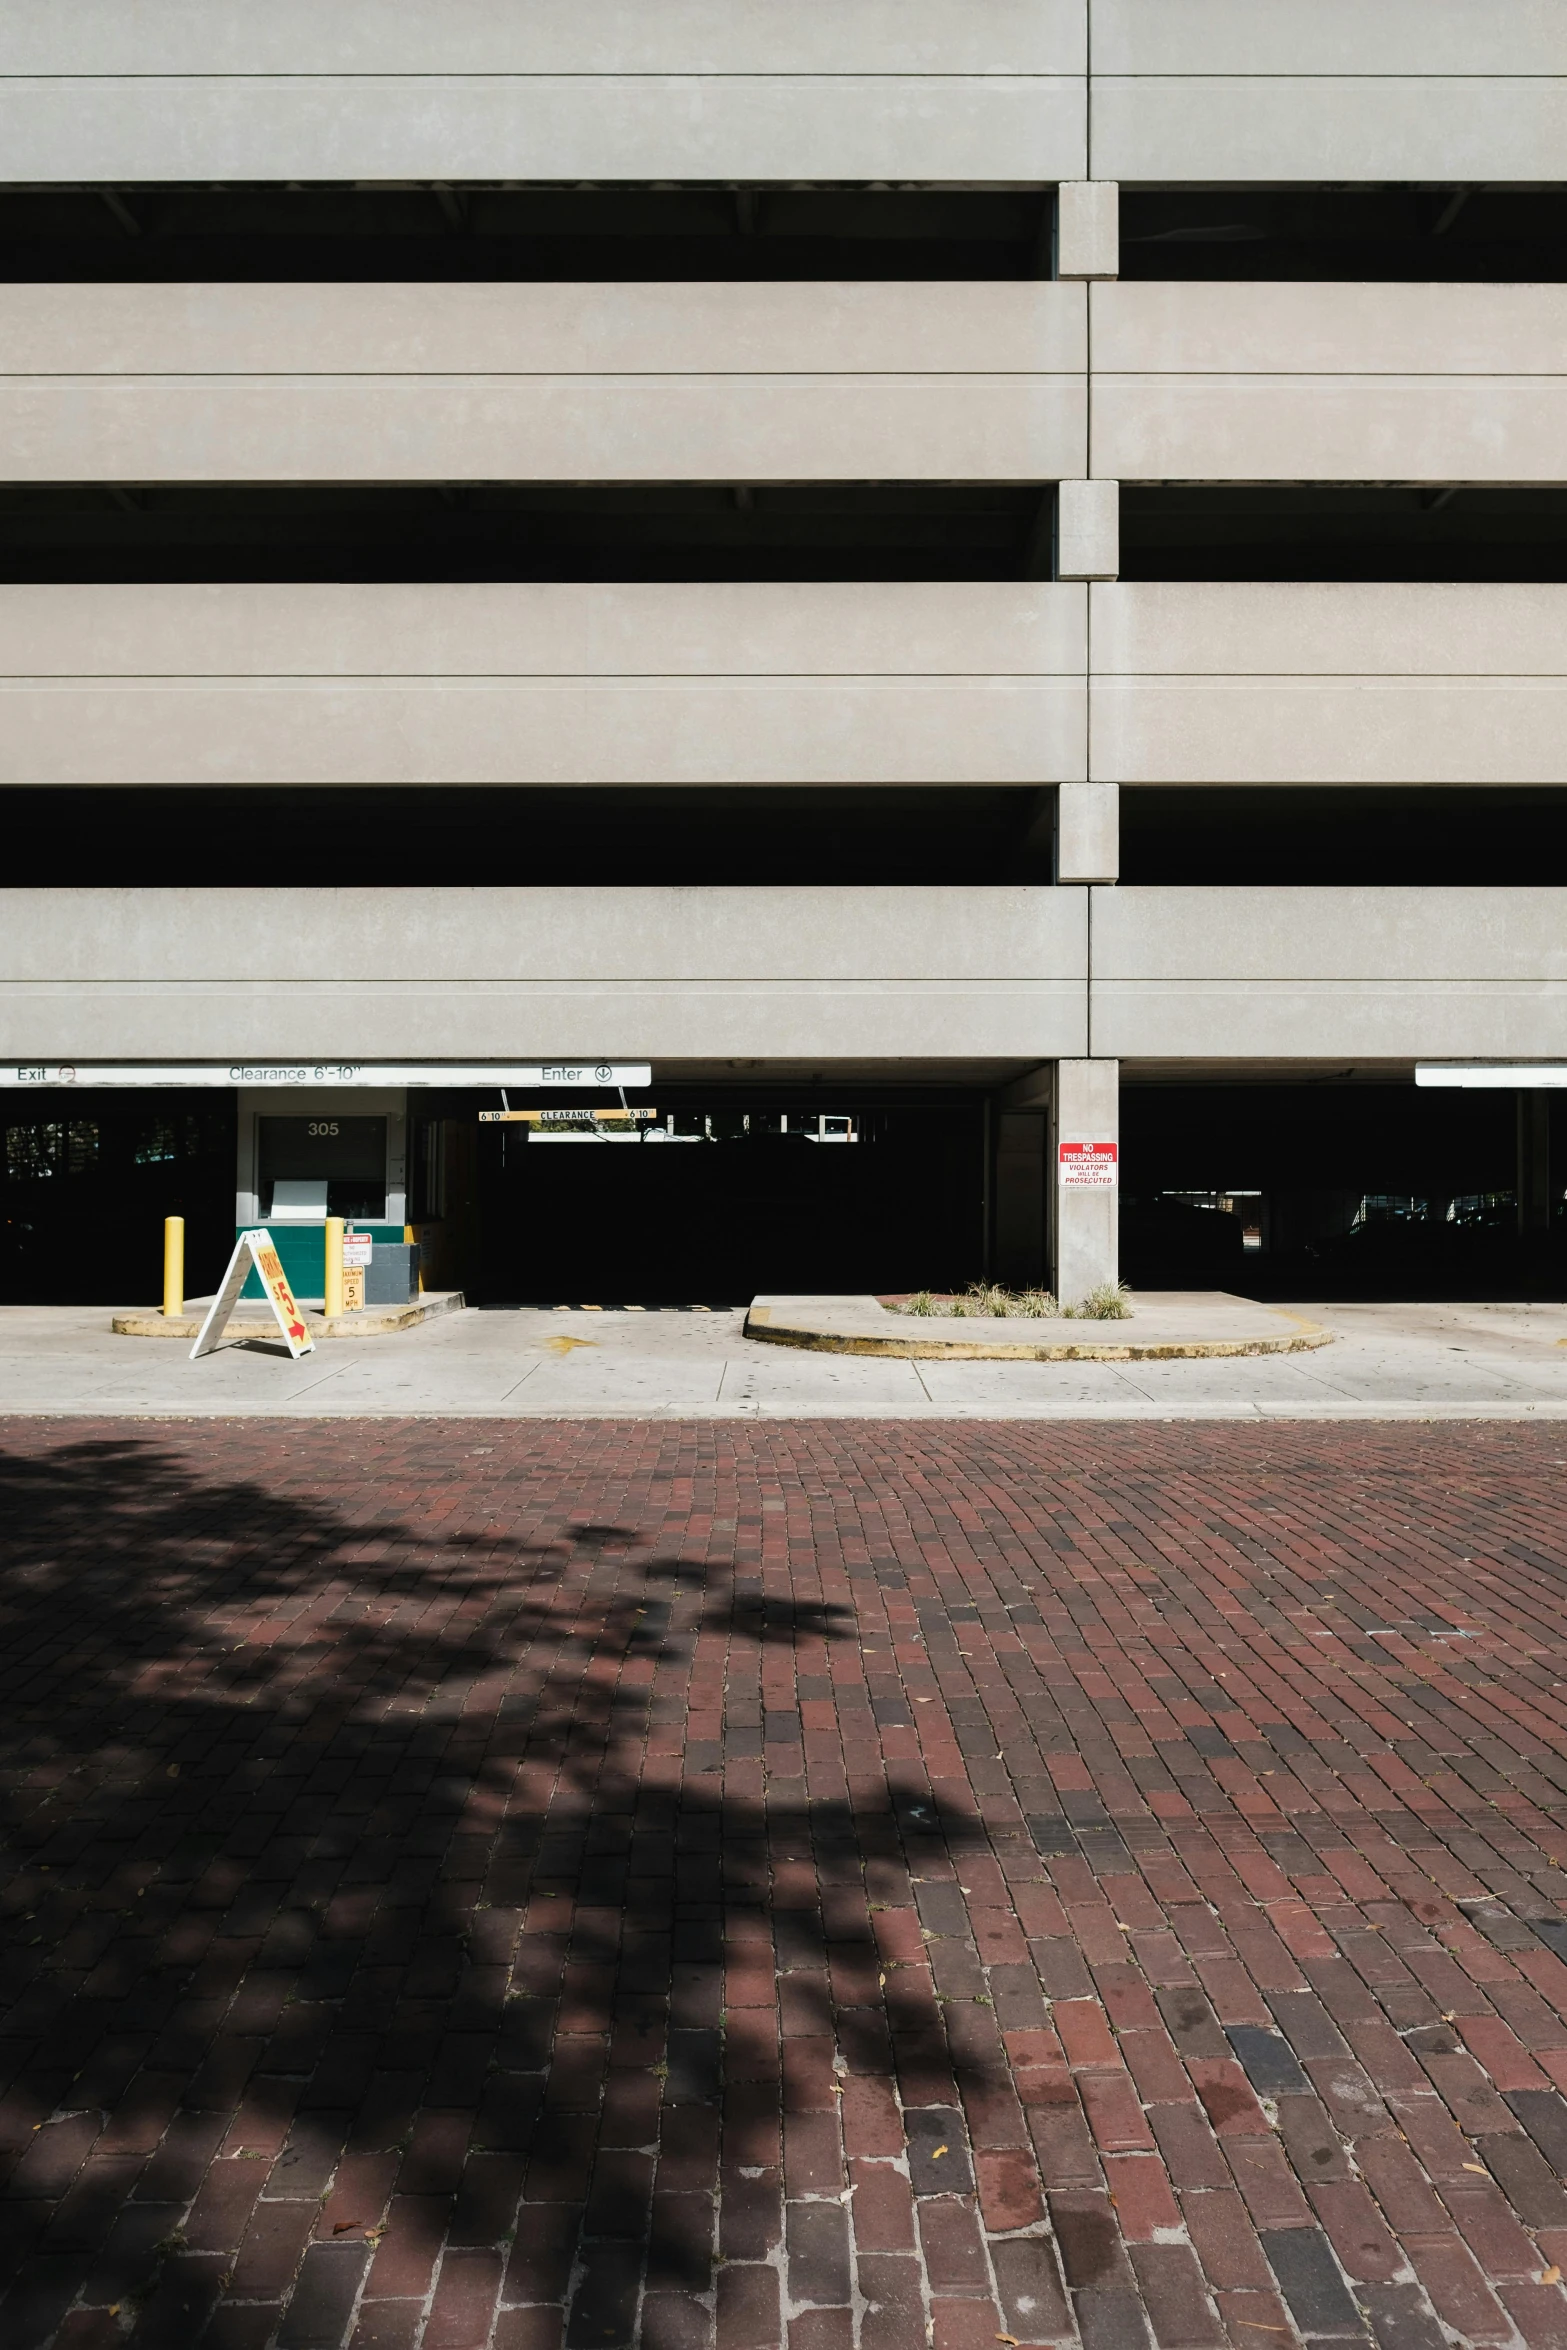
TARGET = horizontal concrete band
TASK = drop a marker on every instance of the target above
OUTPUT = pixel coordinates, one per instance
(715, 732)
(1142, 630)
(1370, 936)
(1322, 1021)
(1191, 89)
(942, 1029)
(850, 121)
(855, 125)
(398, 37)
(782, 428)
(1334, 123)
(1270, 629)
(812, 682)
(771, 382)
(891, 973)
(1358, 973)
(829, 933)
(827, 936)
(736, 36)
(1342, 683)
(615, 629)
(1330, 428)
(674, 124)
(962, 1034)
(530, 327)
(1177, 38)
(1250, 730)
(713, 937)
(1226, 330)
(1336, 381)
(382, 428)
(1304, 327)
(1330, 37)
(707, 731)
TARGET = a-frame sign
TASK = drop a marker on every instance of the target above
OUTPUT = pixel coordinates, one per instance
(255, 1249)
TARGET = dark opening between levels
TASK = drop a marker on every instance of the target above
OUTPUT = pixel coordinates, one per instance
(1342, 531)
(919, 835)
(1349, 835)
(789, 530)
(458, 836)
(616, 230)
(525, 530)
(1455, 232)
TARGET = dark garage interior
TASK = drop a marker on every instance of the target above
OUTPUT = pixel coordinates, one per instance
(1347, 1189)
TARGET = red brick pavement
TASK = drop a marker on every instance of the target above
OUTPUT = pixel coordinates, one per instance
(822, 1885)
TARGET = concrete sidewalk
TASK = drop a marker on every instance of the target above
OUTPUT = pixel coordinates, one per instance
(1388, 1361)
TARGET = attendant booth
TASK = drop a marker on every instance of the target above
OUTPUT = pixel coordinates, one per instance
(306, 1153)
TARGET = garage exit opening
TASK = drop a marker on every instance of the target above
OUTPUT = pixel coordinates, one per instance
(715, 1202)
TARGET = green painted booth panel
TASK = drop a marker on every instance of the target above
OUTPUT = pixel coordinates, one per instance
(302, 1248)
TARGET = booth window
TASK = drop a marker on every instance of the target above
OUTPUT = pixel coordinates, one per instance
(342, 1161)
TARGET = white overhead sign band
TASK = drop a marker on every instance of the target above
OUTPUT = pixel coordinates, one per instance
(466, 1073)
(1474, 1073)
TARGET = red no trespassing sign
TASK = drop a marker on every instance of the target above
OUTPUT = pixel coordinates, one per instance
(1088, 1166)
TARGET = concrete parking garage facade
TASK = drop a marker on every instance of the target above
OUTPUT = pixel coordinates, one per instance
(1035, 991)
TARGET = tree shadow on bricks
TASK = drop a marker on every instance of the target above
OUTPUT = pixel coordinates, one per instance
(416, 1929)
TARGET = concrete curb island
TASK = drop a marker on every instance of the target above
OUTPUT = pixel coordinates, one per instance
(1164, 1326)
(367, 1322)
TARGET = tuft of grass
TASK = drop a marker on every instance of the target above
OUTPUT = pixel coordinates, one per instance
(1108, 1301)
(1037, 1305)
(983, 1300)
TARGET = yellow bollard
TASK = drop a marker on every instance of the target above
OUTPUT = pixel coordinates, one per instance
(173, 1266)
(411, 1233)
(333, 1297)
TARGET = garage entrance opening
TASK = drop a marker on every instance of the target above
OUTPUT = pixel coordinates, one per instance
(1344, 1190)
(715, 1204)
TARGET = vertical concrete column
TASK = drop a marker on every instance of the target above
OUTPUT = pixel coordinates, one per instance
(1088, 820)
(1088, 831)
(1088, 229)
(1088, 530)
(1534, 1160)
(1085, 1233)
(1085, 1099)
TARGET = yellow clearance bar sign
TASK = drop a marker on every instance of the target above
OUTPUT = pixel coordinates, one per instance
(636, 1117)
